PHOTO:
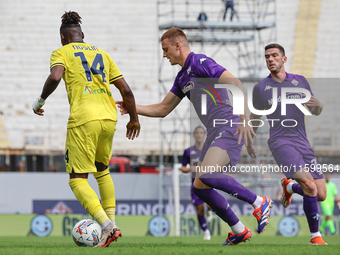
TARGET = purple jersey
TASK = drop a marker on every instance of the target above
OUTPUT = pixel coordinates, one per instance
(191, 154)
(189, 83)
(262, 100)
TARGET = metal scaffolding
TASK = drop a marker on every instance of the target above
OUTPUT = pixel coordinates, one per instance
(240, 42)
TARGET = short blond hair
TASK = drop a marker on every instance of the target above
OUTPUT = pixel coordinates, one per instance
(175, 34)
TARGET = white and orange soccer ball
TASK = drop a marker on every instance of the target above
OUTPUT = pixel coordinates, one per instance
(86, 233)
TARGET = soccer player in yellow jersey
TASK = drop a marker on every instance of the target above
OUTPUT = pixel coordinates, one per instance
(88, 72)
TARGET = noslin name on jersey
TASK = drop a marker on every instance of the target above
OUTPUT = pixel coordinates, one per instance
(268, 87)
(202, 59)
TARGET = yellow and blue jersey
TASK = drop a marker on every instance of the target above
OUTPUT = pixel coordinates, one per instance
(89, 71)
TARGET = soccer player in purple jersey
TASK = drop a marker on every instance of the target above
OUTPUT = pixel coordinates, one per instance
(223, 144)
(288, 142)
(191, 156)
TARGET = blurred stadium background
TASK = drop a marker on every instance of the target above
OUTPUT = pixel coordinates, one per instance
(32, 168)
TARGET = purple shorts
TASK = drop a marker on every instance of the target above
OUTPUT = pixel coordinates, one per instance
(292, 158)
(195, 199)
(225, 140)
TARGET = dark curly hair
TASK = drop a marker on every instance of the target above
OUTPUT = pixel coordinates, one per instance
(70, 20)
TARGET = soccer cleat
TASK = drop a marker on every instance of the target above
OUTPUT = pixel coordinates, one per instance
(207, 235)
(262, 214)
(109, 234)
(286, 196)
(236, 239)
(208, 215)
(317, 241)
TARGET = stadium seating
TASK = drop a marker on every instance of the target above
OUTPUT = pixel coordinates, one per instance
(128, 32)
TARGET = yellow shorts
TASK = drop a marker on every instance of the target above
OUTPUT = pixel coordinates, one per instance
(88, 143)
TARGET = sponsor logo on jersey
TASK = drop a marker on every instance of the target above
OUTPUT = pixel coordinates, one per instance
(290, 95)
(189, 86)
(202, 59)
(96, 91)
(87, 89)
(295, 82)
(195, 160)
(268, 87)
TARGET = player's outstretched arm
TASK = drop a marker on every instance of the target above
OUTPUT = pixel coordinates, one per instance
(244, 131)
(50, 85)
(133, 126)
(161, 110)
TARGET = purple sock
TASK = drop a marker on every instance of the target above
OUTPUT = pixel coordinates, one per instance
(310, 207)
(202, 222)
(297, 189)
(228, 184)
(218, 204)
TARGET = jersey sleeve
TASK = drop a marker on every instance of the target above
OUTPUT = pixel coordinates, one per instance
(307, 86)
(57, 59)
(206, 67)
(177, 90)
(115, 73)
(257, 101)
(186, 157)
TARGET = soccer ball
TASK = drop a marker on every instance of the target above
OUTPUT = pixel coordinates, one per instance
(86, 233)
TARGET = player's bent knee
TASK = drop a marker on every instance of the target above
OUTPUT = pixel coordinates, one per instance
(321, 196)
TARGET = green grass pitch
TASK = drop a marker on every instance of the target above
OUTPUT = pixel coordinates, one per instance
(259, 245)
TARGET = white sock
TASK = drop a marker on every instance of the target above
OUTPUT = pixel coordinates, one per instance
(207, 231)
(312, 235)
(105, 224)
(290, 188)
(257, 203)
(237, 228)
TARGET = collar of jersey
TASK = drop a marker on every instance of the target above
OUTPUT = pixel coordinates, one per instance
(186, 65)
(287, 78)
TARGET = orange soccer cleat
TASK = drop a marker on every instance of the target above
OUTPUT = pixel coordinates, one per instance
(317, 241)
(109, 234)
(286, 196)
(238, 238)
(262, 214)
